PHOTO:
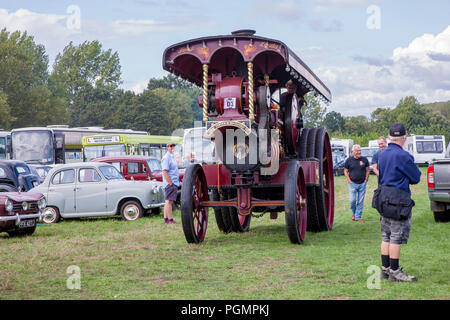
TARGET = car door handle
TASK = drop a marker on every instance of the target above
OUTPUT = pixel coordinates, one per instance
(51, 189)
(76, 189)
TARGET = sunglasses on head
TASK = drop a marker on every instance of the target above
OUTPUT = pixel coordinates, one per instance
(171, 145)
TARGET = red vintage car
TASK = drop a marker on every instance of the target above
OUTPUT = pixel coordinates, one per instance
(19, 212)
(137, 167)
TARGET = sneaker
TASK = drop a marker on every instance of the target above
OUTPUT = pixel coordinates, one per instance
(171, 221)
(399, 275)
(385, 272)
(353, 217)
(359, 220)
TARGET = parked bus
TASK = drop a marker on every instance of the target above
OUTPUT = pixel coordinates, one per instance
(5, 145)
(107, 145)
(54, 144)
(197, 149)
(425, 148)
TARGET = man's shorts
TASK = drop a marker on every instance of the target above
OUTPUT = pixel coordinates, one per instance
(170, 192)
(395, 231)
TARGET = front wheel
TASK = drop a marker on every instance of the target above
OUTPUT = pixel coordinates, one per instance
(295, 203)
(194, 216)
(51, 215)
(22, 232)
(131, 210)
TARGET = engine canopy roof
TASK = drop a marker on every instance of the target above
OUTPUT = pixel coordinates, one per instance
(229, 54)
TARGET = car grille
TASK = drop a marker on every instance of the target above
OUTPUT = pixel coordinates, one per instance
(32, 207)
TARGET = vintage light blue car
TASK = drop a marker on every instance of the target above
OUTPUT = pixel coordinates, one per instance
(89, 189)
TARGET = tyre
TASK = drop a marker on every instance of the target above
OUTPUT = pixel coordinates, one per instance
(302, 143)
(131, 210)
(442, 216)
(313, 223)
(218, 211)
(295, 203)
(7, 188)
(194, 216)
(325, 190)
(239, 223)
(155, 211)
(51, 215)
(22, 232)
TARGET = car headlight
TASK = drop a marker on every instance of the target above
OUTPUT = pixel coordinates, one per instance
(9, 206)
(42, 203)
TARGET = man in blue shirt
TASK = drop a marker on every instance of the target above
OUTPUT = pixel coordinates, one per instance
(171, 181)
(382, 144)
(397, 170)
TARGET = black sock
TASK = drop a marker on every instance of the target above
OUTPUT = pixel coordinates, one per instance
(385, 261)
(394, 264)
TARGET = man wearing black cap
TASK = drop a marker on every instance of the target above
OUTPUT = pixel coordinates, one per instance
(396, 171)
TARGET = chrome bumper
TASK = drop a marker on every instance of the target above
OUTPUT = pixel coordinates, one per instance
(19, 217)
(155, 205)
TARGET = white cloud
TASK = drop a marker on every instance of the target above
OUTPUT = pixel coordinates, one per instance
(56, 31)
(420, 69)
(139, 87)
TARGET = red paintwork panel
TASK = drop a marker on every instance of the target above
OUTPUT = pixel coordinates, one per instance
(217, 175)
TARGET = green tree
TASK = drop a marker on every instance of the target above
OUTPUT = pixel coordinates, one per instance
(171, 82)
(313, 112)
(6, 118)
(334, 122)
(87, 76)
(23, 80)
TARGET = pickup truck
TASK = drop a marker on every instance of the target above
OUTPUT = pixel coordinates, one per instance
(438, 179)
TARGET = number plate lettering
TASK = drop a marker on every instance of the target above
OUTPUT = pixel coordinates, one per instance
(229, 103)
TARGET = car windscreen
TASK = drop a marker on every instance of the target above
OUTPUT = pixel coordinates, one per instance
(368, 152)
(111, 173)
(33, 146)
(154, 165)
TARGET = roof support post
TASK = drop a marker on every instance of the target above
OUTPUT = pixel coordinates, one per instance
(251, 110)
(205, 92)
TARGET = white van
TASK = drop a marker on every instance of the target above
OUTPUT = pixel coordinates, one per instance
(425, 148)
(346, 143)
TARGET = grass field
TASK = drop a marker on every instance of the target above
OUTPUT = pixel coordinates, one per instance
(146, 259)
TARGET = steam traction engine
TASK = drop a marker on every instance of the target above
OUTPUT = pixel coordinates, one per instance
(268, 162)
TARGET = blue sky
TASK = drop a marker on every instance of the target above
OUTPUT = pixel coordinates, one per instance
(407, 53)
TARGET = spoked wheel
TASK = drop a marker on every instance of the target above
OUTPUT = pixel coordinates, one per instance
(222, 215)
(309, 152)
(325, 190)
(295, 203)
(239, 223)
(194, 216)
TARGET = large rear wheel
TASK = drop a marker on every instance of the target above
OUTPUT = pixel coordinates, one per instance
(325, 190)
(309, 152)
(194, 216)
(295, 203)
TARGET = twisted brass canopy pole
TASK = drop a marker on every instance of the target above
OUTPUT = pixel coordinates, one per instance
(251, 110)
(205, 92)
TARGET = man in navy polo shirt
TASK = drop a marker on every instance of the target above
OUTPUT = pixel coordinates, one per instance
(356, 170)
(397, 170)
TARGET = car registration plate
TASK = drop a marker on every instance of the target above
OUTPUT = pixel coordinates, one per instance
(27, 223)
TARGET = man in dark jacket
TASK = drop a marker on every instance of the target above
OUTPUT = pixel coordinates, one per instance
(397, 170)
